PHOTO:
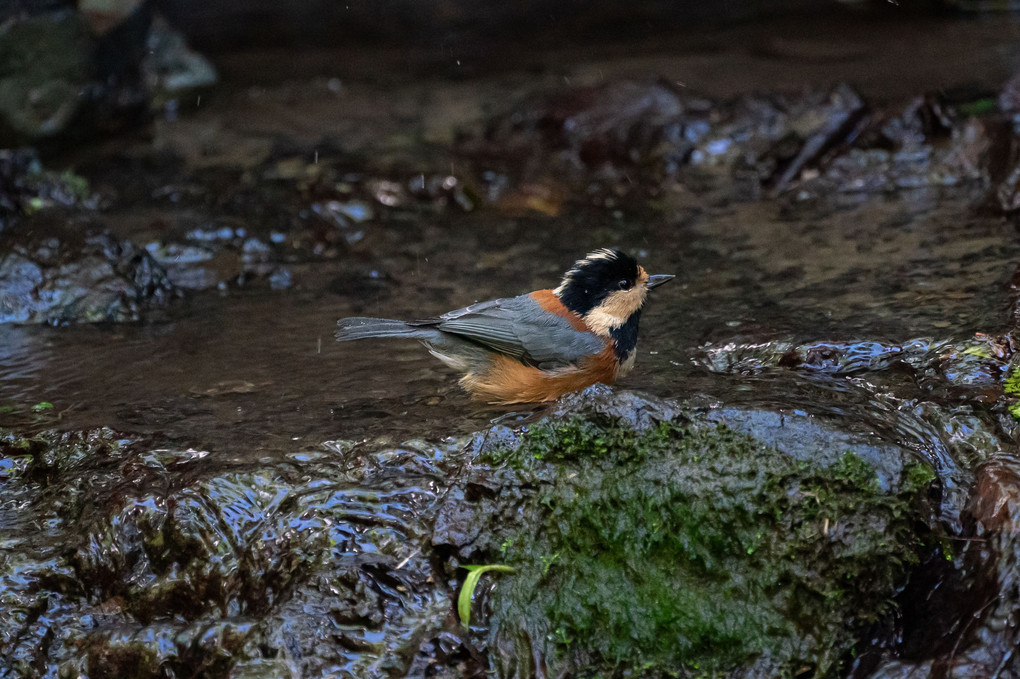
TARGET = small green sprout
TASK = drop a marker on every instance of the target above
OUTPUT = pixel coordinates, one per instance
(468, 590)
(33, 205)
(978, 107)
(548, 561)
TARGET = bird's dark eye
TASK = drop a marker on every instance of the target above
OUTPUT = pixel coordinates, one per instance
(624, 284)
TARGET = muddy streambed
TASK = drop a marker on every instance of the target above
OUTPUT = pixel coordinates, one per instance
(810, 472)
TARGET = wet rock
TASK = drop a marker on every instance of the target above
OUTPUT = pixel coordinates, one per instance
(68, 75)
(994, 506)
(44, 66)
(26, 187)
(821, 128)
(63, 78)
(924, 119)
(764, 542)
(638, 138)
(624, 123)
(191, 267)
(971, 368)
(568, 464)
(876, 170)
(762, 141)
(456, 525)
(599, 401)
(900, 390)
(221, 255)
(154, 561)
(353, 203)
(640, 552)
(54, 271)
(970, 617)
(925, 145)
(804, 438)
(636, 127)
(171, 68)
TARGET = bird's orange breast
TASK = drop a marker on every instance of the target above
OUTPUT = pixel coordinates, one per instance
(506, 380)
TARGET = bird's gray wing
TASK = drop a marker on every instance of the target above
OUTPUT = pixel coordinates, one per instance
(520, 328)
(488, 323)
(551, 341)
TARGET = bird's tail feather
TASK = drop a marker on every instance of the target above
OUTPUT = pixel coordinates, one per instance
(348, 329)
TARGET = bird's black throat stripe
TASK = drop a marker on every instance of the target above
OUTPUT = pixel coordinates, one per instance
(625, 337)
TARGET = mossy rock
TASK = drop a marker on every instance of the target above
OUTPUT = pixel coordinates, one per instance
(691, 550)
(44, 68)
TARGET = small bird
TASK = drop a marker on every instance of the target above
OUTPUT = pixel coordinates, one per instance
(541, 345)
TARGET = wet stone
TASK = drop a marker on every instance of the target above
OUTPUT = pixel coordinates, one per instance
(44, 69)
(586, 508)
(640, 127)
(900, 392)
(639, 138)
(994, 506)
(343, 560)
(26, 187)
(73, 272)
(979, 586)
(64, 76)
(166, 564)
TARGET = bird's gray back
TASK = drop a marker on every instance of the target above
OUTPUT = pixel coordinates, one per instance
(520, 327)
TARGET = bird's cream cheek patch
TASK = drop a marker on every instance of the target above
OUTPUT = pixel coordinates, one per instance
(615, 309)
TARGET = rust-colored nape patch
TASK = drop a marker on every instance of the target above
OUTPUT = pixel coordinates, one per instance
(548, 300)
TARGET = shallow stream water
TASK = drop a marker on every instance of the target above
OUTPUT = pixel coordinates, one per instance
(249, 373)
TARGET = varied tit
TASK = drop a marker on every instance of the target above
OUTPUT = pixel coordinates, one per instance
(538, 346)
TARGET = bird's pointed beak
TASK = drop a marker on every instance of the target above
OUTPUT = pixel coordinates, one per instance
(658, 279)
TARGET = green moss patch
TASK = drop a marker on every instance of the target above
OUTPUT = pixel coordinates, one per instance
(694, 550)
(1011, 385)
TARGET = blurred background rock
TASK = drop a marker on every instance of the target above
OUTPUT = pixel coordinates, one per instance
(69, 70)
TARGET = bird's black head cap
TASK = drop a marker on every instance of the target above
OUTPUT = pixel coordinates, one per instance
(595, 277)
